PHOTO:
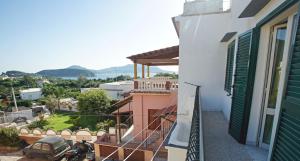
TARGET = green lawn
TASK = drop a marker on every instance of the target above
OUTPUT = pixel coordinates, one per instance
(60, 121)
(65, 120)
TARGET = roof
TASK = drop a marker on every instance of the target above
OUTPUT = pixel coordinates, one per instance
(253, 8)
(121, 105)
(228, 36)
(165, 56)
(168, 113)
(119, 83)
(31, 90)
(51, 139)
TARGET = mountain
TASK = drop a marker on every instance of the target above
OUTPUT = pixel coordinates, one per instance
(129, 69)
(75, 71)
(67, 72)
(77, 67)
(15, 73)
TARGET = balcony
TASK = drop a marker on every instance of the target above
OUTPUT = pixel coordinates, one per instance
(198, 7)
(209, 139)
(156, 84)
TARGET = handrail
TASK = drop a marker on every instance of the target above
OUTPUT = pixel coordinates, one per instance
(195, 151)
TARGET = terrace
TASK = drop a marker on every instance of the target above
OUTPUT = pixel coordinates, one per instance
(162, 57)
(209, 138)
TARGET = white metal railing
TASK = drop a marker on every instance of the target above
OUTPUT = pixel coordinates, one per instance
(193, 7)
(155, 84)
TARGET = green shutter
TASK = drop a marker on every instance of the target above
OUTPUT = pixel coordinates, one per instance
(244, 77)
(229, 67)
(287, 141)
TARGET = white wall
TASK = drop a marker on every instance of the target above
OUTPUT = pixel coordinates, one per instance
(202, 57)
(176, 154)
(31, 95)
(203, 62)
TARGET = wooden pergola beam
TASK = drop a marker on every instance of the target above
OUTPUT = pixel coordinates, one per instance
(157, 61)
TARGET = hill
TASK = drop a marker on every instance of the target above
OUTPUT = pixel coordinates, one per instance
(66, 73)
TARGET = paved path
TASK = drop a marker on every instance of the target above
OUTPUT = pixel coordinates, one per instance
(220, 146)
(16, 156)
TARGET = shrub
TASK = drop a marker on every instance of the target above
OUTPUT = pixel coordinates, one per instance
(9, 137)
(105, 125)
(25, 103)
(38, 124)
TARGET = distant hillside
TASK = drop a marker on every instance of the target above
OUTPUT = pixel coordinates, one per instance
(77, 67)
(129, 69)
(75, 71)
(15, 73)
(66, 73)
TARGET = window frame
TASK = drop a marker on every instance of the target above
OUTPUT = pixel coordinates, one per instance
(229, 66)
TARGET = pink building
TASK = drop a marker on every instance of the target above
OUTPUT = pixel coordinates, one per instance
(147, 114)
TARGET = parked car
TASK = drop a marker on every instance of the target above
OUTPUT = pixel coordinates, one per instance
(51, 148)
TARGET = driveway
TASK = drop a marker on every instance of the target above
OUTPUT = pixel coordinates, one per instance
(16, 156)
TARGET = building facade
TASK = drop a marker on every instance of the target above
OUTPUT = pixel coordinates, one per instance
(31, 94)
(244, 59)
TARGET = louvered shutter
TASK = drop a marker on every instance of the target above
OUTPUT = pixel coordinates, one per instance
(287, 141)
(229, 67)
(242, 88)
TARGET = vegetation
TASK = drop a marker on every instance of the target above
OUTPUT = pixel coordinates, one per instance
(70, 120)
(9, 137)
(25, 103)
(171, 75)
(94, 102)
(38, 124)
(105, 125)
(51, 102)
(60, 121)
(66, 73)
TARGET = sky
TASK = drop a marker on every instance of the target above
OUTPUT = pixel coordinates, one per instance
(96, 34)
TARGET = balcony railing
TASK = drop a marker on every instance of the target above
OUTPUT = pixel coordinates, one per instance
(155, 84)
(195, 146)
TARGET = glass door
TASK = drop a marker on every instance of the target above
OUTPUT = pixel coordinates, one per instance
(273, 79)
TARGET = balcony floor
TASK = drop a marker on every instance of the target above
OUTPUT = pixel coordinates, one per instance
(220, 146)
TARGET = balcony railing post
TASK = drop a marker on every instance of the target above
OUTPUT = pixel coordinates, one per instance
(136, 85)
(168, 85)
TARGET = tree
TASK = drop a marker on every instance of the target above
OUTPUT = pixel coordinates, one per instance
(93, 101)
(51, 103)
(81, 80)
(29, 81)
(171, 75)
(105, 125)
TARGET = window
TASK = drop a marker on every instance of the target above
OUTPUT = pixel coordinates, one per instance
(37, 146)
(229, 67)
(46, 147)
(153, 120)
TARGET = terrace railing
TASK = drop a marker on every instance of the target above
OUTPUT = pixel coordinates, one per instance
(195, 146)
(155, 84)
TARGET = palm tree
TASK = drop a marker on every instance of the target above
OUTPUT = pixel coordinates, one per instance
(51, 103)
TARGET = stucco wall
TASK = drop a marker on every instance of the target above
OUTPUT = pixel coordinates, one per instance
(203, 60)
(144, 101)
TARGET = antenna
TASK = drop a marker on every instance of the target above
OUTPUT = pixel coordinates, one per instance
(13, 93)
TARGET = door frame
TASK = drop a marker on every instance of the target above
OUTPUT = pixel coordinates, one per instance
(287, 50)
(268, 79)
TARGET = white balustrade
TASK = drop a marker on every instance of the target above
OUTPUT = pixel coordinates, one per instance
(155, 84)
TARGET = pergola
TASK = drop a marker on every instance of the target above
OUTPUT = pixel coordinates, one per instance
(162, 57)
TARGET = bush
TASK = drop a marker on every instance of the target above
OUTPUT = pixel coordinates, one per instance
(25, 103)
(105, 125)
(9, 137)
(38, 124)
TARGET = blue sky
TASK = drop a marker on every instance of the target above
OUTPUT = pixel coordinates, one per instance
(52, 34)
